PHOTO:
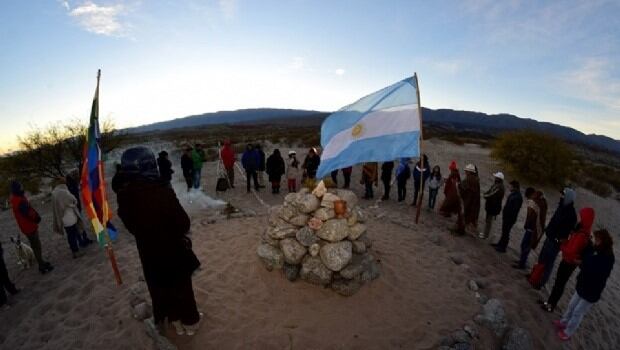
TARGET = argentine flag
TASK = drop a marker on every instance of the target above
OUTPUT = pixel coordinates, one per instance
(380, 127)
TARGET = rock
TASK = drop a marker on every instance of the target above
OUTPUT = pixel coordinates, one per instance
(356, 231)
(482, 283)
(287, 213)
(372, 270)
(328, 200)
(293, 251)
(482, 299)
(347, 196)
(306, 236)
(460, 336)
(473, 286)
(517, 339)
(274, 215)
(334, 230)
(324, 214)
(142, 311)
(358, 247)
(364, 238)
(307, 203)
(346, 287)
(351, 217)
(281, 232)
(314, 249)
(456, 258)
(355, 268)
(313, 271)
(361, 215)
(336, 255)
(315, 223)
(462, 346)
(265, 238)
(320, 190)
(271, 256)
(299, 220)
(290, 198)
(493, 317)
(291, 272)
(471, 330)
(161, 342)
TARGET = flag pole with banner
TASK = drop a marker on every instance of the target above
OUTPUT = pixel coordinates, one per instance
(422, 169)
(94, 189)
(383, 126)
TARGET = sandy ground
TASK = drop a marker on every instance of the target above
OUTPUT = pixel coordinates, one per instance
(420, 297)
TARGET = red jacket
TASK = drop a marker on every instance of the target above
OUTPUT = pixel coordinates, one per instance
(579, 239)
(228, 156)
(27, 218)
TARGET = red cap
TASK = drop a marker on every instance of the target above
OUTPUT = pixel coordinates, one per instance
(453, 166)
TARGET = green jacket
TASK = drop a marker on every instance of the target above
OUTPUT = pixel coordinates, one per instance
(198, 157)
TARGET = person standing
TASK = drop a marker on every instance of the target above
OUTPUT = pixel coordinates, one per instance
(509, 215)
(198, 158)
(5, 281)
(370, 176)
(260, 170)
(403, 173)
(275, 169)
(346, 173)
(228, 159)
(165, 167)
(560, 226)
(311, 164)
(533, 226)
(572, 250)
(469, 190)
(73, 184)
(596, 267)
(67, 218)
(152, 213)
(250, 160)
(420, 172)
(452, 202)
(386, 178)
(334, 176)
(493, 203)
(292, 171)
(28, 221)
(187, 164)
(434, 183)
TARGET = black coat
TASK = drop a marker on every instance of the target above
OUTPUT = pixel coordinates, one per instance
(165, 169)
(595, 270)
(512, 207)
(152, 213)
(562, 222)
(311, 164)
(386, 171)
(187, 164)
(261, 160)
(493, 199)
(275, 167)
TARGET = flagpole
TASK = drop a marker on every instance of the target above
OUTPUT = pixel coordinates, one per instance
(421, 192)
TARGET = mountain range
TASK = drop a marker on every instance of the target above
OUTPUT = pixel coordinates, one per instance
(490, 124)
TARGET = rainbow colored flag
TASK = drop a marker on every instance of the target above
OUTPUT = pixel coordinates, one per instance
(93, 182)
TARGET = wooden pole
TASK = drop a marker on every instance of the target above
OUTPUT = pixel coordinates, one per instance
(421, 192)
(112, 258)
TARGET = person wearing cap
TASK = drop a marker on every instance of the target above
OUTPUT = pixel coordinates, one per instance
(198, 159)
(150, 210)
(493, 203)
(292, 171)
(560, 226)
(165, 167)
(311, 164)
(187, 164)
(509, 215)
(228, 159)
(469, 190)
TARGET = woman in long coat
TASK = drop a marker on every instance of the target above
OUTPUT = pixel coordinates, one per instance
(451, 203)
(275, 169)
(469, 190)
(151, 212)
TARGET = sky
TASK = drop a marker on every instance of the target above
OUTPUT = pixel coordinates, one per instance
(556, 61)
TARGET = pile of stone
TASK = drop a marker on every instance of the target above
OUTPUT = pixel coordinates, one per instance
(306, 240)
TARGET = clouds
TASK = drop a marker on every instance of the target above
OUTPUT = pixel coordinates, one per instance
(228, 8)
(339, 72)
(99, 19)
(593, 81)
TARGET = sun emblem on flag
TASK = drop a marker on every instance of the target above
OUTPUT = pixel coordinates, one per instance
(357, 130)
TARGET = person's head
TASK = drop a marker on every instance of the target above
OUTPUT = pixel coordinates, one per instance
(17, 189)
(163, 154)
(187, 150)
(292, 154)
(436, 170)
(515, 186)
(499, 177)
(60, 180)
(603, 242)
(312, 151)
(529, 192)
(139, 161)
(453, 166)
(249, 147)
(470, 169)
(567, 196)
(276, 152)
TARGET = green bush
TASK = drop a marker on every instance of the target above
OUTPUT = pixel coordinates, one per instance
(536, 158)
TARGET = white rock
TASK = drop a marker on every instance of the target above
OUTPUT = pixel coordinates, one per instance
(336, 255)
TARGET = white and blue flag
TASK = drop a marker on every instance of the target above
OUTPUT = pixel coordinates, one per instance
(380, 127)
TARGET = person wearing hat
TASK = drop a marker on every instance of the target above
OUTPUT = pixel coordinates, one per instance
(509, 215)
(292, 171)
(187, 164)
(469, 190)
(151, 212)
(493, 202)
(451, 203)
(165, 167)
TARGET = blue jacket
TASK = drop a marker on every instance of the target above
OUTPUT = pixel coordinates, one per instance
(595, 270)
(250, 160)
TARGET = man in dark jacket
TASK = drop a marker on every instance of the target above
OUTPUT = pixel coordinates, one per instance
(152, 213)
(5, 282)
(165, 167)
(493, 203)
(311, 164)
(250, 160)
(386, 178)
(187, 164)
(560, 226)
(260, 170)
(424, 173)
(509, 215)
(275, 169)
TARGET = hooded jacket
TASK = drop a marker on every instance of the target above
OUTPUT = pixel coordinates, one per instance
(228, 155)
(165, 168)
(579, 239)
(564, 219)
(403, 172)
(595, 270)
(275, 166)
(386, 171)
(423, 173)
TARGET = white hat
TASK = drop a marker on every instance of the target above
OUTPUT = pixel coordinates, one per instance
(471, 168)
(499, 175)
(291, 152)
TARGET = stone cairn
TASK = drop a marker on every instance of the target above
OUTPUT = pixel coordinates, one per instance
(306, 240)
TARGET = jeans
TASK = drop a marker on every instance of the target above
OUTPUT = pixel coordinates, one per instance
(251, 175)
(565, 270)
(506, 228)
(401, 186)
(73, 237)
(197, 174)
(35, 244)
(526, 247)
(432, 197)
(577, 308)
(369, 192)
(189, 180)
(547, 256)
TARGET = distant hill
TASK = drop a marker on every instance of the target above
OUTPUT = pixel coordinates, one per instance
(446, 118)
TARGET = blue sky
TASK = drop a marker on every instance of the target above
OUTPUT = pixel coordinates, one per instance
(552, 61)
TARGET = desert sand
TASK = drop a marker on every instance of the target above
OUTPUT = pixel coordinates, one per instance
(420, 297)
